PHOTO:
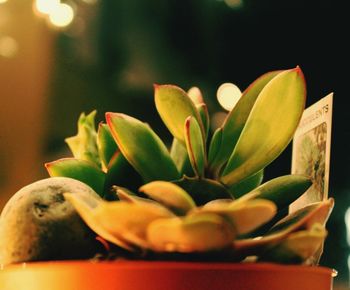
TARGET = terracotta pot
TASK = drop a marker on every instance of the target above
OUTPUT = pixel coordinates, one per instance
(131, 275)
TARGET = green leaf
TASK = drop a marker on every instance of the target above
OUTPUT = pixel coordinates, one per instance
(247, 185)
(107, 147)
(195, 146)
(170, 195)
(81, 170)
(120, 173)
(236, 119)
(178, 153)
(214, 149)
(203, 190)
(270, 126)
(282, 190)
(204, 114)
(143, 149)
(174, 106)
(83, 145)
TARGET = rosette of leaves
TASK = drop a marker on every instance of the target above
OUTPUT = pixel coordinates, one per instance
(204, 195)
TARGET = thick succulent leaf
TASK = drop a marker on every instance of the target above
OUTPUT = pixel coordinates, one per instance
(269, 127)
(123, 221)
(174, 106)
(178, 153)
(170, 195)
(83, 145)
(82, 170)
(126, 195)
(142, 148)
(247, 184)
(202, 232)
(245, 216)
(195, 146)
(204, 114)
(195, 95)
(86, 206)
(203, 190)
(236, 119)
(299, 247)
(214, 149)
(282, 190)
(301, 219)
(106, 145)
(120, 173)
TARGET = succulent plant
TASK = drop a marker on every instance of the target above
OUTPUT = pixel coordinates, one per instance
(205, 195)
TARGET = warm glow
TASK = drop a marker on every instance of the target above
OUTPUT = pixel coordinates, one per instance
(228, 95)
(3, 1)
(46, 6)
(62, 15)
(90, 1)
(8, 47)
(234, 4)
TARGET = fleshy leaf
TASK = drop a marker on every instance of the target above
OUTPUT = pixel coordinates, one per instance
(236, 119)
(204, 114)
(121, 221)
(214, 149)
(83, 145)
(202, 232)
(297, 248)
(86, 206)
(120, 173)
(269, 127)
(245, 216)
(174, 106)
(144, 150)
(106, 145)
(301, 219)
(81, 170)
(170, 195)
(195, 146)
(203, 190)
(247, 184)
(178, 153)
(282, 190)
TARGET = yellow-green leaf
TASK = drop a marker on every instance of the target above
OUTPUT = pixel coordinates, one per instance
(270, 126)
(174, 106)
(195, 145)
(170, 195)
(106, 145)
(236, 119)
(141, 146)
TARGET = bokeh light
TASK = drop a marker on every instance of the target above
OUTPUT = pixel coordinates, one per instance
(46, 6)
(8, 47)
(3, 1)
(228, 95)
(62, 15)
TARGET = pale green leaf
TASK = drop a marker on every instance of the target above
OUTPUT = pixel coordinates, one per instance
(170, 195)
(236, 119)
(106, 145)
(174, 106)
(270, 126)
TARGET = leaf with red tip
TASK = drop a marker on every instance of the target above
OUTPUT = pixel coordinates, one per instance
(81, 170)
(141, 146)
(236, 119)
(270, 126)
(174, 106)
(195, 146)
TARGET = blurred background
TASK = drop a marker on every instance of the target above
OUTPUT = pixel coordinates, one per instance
(60, 58)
